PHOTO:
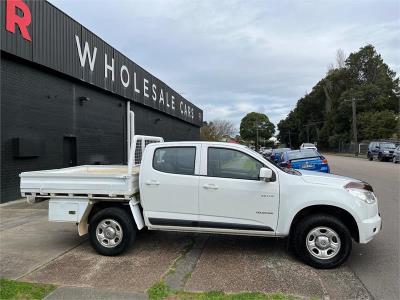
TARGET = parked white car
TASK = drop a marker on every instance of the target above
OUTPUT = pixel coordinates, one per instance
(214, 188)
(308, 146)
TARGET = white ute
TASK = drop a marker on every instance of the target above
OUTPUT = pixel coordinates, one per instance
(209, 187)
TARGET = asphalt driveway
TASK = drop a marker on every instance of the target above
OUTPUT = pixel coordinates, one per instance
(377, 263)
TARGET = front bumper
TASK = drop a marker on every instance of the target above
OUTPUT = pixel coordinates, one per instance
(368, 228)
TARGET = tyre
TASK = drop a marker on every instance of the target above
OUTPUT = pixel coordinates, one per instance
(322, 241)
(380, 157)
(111, 231)
(369, 156)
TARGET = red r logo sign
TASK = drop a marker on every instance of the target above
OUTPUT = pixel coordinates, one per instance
(12, 17)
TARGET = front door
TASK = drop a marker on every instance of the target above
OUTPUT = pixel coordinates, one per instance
(231, 196)
(169, 188)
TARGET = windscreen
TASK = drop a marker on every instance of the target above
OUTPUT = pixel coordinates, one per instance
(308, 153)
(388, 145)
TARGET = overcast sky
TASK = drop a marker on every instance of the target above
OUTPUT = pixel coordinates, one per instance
(233, 57)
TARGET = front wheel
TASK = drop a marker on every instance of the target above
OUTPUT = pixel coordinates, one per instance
(369, 156)
(380, 157)
(111, 231)
(322, 241)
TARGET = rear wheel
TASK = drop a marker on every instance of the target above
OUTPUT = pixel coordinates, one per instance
(111, 231)
(394, 159)
(322, 241)
(369, 156)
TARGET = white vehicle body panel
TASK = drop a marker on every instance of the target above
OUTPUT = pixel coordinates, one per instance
(110, 180)
(311, 189)
(169, 196)
(65, 210)
(237, 202)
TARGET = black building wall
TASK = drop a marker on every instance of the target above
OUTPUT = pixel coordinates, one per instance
(58, 42)
(40, 108)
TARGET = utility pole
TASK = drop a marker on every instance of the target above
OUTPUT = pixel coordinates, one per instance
(257, 134)
(257, 139)
(354, 108)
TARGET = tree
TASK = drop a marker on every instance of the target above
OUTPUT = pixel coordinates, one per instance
(325, 114)
(223, 128)
(340, 59)
(255, 125)
(378, 125)
(216, 130)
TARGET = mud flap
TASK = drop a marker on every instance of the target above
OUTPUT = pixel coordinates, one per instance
(137, 214)
(83, 223)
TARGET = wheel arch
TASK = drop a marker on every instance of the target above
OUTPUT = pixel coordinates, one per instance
(335, 211)
(98, 206)
(93, 208)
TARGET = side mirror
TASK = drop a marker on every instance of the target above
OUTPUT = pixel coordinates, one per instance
(265, 174)
(377, 147)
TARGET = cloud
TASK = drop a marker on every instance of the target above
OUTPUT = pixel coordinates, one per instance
(231, 57)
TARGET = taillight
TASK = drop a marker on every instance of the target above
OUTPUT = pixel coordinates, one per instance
(325, 161)
(289, 165)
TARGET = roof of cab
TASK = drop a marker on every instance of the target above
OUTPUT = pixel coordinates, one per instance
(177, 143)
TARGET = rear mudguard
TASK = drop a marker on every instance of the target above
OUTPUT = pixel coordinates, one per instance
(135, 209)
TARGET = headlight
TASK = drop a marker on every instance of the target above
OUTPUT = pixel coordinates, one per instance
(364, 195)
(386, 151)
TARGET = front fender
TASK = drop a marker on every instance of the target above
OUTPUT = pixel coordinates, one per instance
(291, 206)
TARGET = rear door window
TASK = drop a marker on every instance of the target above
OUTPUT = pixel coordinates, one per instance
(175, 160)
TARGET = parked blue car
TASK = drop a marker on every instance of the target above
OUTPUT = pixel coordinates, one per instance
(305, 159)
(276, 154)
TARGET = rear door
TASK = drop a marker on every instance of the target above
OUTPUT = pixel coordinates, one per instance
(231, 196)
(169, 186)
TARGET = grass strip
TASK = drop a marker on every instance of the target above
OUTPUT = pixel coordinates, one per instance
(11, 289)
(161, 291)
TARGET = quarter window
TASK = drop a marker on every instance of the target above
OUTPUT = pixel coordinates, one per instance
(228, 163)
(175, 160)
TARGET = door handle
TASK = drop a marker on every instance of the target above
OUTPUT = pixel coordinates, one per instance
(152, 182)
(210, 186)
